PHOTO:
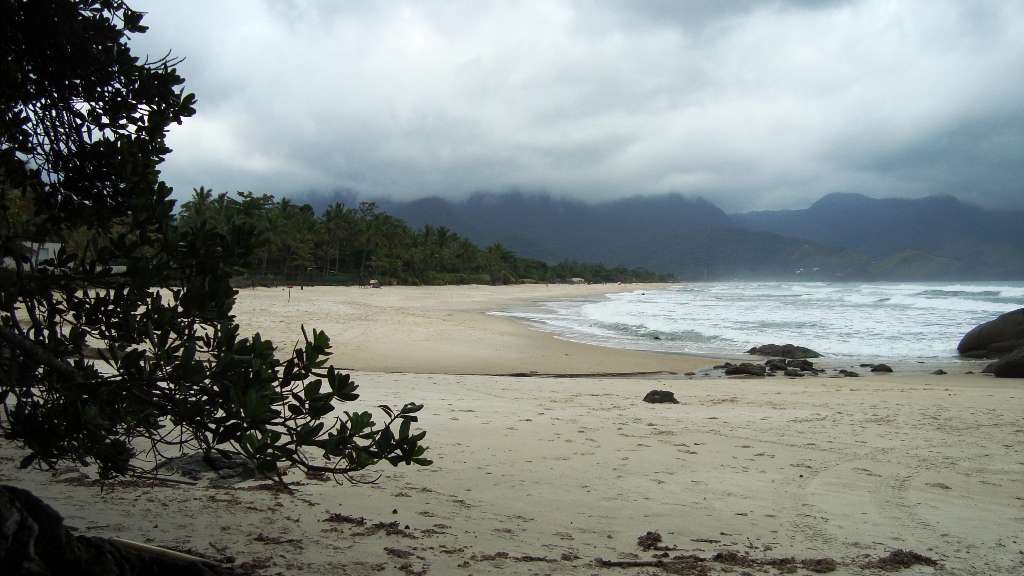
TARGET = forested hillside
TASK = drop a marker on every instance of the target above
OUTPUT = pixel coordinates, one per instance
(353, 244)
(842, 236)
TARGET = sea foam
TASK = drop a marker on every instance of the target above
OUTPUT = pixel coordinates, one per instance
(912, 321)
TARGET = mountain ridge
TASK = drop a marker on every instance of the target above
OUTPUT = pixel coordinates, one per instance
(840, 236)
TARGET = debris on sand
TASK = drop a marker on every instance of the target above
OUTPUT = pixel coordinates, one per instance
(819, 565)
(694, 565)
(652, 541)
(649, 540)
(898, 560)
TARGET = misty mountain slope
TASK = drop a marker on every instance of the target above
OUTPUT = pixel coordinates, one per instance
(735, 253)
(997, 260)
(887, 226)
(435, 212)
(843, 236)
(553, 229)
(914, 265)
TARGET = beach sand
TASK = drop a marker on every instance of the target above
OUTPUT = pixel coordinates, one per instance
(543, 474)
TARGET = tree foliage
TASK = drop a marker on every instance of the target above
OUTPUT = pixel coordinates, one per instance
(122, 345)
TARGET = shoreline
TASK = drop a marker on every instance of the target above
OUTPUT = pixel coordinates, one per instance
(446, 330)
(543, 474)
(460, 330)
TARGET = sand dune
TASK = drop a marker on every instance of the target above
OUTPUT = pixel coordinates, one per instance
(541, 475)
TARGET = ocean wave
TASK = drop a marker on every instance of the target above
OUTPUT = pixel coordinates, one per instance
(885, 320)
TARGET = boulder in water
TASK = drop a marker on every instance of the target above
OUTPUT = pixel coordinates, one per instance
(784, 351)
(1010, 365)
(995, 338)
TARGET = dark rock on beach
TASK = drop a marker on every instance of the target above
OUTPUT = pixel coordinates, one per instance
(661, 397)
(801, 364)
(881, 368)
(745, 368)
(793, 368)
(1010, 365)
(995, 338)
(783, 351)
(771, 367)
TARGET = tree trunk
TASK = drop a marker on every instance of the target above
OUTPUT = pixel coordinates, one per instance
(33, 540)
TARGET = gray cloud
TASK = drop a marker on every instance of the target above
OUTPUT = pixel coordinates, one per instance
(749, 104)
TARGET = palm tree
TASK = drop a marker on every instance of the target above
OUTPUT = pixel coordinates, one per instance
(338, 229)
(466, 253)
(497, 259)
(198, 209)
(443, 238)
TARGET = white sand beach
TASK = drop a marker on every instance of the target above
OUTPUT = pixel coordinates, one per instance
(543, 474)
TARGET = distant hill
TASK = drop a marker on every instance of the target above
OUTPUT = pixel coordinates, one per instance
(689, 237)
(738, 254)
(990, 243)
(841, 236)
(554, 229)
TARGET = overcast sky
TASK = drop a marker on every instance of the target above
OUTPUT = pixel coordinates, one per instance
(752, 105)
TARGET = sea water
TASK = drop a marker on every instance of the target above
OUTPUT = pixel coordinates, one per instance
(868, 321)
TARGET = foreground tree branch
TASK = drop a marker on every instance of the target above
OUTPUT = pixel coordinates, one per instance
(83, 123)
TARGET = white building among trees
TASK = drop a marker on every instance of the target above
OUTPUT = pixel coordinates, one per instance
(38, 252)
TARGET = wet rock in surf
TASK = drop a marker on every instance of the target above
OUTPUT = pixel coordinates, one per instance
(784, 351)
(661, 397)
(995, 338)
(1010, 366)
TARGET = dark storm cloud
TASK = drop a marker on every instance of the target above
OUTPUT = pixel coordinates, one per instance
(750, 104)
